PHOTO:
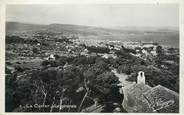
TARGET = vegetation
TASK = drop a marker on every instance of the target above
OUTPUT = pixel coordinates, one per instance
(98, 49)
(17, 39)
(80, 80)
(58, 83)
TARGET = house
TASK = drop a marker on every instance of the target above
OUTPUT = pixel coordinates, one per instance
(106, 56)
(51, 57)
(162, 99)
(149, 44)
(140, 97)
(85, 52)
(149, 47)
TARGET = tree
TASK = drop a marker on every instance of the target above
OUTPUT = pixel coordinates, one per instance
(125, 68)
(35, 50)
(159, 50)
(98, 49)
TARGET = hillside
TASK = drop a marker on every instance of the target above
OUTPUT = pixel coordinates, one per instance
(165, 36)
(12, 27)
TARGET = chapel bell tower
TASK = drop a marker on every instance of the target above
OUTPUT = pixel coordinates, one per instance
(141, 77)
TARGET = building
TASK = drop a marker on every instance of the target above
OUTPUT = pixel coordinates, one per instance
(141, 78)
(140, 97)
(51, 57)
(149, 44)
(85, 52)
(132, 45)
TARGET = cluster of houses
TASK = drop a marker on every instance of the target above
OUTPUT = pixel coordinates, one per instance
(144, 50)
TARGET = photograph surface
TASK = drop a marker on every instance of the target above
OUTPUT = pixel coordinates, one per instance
(92, 58)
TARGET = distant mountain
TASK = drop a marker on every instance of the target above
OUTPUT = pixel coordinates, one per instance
(136, 28)
(12, 27)
(166, 36)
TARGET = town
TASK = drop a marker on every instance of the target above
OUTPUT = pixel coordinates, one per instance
(48, 69)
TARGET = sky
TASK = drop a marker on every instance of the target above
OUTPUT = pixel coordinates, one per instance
(101, 15)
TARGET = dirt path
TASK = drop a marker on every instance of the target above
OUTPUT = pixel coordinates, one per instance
(122, 78)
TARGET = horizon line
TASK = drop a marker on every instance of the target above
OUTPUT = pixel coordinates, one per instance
(107, 27)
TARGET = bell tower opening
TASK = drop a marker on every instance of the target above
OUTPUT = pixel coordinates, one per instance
(141, 77)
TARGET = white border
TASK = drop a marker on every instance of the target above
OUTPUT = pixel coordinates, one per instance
(3, 4)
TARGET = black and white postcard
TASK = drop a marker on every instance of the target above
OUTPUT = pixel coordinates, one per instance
(92, 58)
